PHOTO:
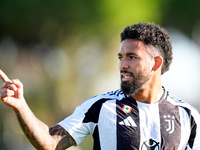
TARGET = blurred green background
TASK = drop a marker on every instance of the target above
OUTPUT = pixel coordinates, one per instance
(65, 51)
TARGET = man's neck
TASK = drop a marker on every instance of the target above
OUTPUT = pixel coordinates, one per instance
(149, 95)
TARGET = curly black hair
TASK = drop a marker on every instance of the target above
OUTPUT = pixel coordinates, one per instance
(151, 34)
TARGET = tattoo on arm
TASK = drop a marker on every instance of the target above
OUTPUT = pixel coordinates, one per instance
(41, 136)
(62, 137)
(31, 131)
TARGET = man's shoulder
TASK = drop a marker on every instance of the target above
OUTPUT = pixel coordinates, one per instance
(101, 98)
(180, 103)
(176, 100)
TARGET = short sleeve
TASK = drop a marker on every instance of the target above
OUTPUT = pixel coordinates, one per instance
(75, 126)
(84, 120)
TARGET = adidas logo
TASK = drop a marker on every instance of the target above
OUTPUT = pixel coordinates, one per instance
(128, 122)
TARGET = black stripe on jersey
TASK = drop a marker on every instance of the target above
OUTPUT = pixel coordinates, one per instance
(170, 125)
(92, 115)
(96, 145)
(193, 127)
(128, 136)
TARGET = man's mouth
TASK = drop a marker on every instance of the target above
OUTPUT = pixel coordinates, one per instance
(126, 76)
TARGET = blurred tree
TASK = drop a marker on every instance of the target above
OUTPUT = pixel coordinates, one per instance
(34, 21)
(50, 21)
(181, 14)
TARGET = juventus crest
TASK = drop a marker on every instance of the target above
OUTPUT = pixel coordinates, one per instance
(170, 120)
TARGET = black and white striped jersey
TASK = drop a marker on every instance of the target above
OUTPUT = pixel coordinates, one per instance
(119, 122)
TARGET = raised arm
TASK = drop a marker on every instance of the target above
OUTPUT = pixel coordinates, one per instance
(39, 134)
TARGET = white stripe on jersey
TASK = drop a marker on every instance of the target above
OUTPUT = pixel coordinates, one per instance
(106, 127)
(150, 128)
(185, 128)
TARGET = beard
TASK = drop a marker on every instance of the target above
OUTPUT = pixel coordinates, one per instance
(131, 88)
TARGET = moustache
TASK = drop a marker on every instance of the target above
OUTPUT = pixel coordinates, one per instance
(125, 71)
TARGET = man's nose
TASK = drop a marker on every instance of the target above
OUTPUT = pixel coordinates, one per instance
(123, 64)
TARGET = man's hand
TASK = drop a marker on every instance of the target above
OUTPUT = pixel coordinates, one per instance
(11, 91)
(38, 133)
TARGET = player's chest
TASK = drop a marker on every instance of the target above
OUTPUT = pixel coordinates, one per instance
(139, 125)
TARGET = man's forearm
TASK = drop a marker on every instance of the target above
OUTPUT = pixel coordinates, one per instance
(39, 134)
(36, 131)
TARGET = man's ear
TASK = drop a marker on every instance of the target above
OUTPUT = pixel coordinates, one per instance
(158, 63)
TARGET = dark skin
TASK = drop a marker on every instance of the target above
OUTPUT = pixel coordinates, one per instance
(39, 134)
(136, 57)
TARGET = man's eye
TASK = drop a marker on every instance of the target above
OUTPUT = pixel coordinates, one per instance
(132, 57)
(120, 58)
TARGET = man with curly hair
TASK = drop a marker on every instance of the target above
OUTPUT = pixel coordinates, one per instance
(141, 115)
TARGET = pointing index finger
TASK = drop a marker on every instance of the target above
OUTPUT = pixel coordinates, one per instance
(4, 77)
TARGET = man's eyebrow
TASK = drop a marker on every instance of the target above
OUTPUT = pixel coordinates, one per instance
(131, 53)
(127, 54)
(119, 54)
